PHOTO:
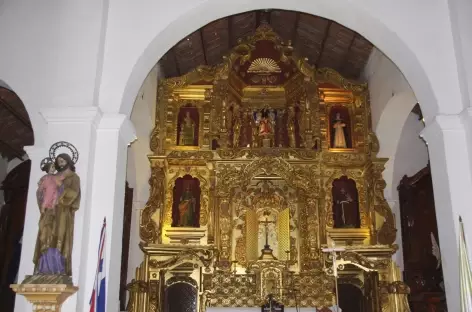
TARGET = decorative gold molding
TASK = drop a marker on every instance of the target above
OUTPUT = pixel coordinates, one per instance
(45, 297)
(149, 231)
(332, 76)
(357, 176)
(203, 175)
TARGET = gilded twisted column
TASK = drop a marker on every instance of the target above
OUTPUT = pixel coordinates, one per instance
(158, 134)
(213, 207)
(310, 107)
(224, 261)
(310, 227)
(219, 99)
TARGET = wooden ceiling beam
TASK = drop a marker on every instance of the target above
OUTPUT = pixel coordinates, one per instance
(12, 111)
(348, 54)
(176, 61)
(258, 19)
(230, 32)
(294, 34)
(203, 47)
(325, 37)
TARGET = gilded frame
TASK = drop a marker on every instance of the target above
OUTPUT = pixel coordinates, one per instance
(240, 250)
(299, 178)
(173, 110)
(356, 175)
(175, 172)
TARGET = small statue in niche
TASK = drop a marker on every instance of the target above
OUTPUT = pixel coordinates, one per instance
(345, 203)
(265, 123)
(186, 203)
(58, 197)
(187, 127)
(340, 127)
(339, 140)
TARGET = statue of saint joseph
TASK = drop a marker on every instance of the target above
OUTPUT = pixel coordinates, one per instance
(58, 199)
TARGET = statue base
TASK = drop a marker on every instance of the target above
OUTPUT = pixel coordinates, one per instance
(267, 254)
(47, 293)
(266, 142)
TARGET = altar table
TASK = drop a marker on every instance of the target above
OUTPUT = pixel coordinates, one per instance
(244, 309)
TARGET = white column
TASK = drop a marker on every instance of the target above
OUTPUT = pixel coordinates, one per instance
(36, 154)
(451, 173)
(105, 199)
(75, 125)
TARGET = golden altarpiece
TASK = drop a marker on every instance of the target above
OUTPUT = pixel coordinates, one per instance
(258, 165)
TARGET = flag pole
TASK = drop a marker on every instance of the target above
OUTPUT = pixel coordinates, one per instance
(465, 275)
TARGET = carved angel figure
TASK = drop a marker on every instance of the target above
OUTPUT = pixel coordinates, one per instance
(48, 188)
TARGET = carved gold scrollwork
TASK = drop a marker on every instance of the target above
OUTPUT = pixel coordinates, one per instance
(149, 231)
(351, 159)
(373, 142)
(285, 153)
(197, 155)
(156, 134)
(154, 296)
(365, 262)
(333, 76)
(135, 289)
(205, 256)
(387, 233)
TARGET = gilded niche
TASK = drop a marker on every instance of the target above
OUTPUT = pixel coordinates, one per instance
(259, 164)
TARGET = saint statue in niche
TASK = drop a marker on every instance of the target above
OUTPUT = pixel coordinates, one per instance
(265, 121)
(340, 128)
(187, 126)
(345, 203)
(186, 202)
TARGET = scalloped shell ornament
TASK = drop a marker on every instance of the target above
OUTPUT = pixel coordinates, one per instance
(264, 65)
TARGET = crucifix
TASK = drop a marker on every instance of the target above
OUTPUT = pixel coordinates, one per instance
(267, 251)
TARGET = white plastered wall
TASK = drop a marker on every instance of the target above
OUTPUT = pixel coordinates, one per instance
(397, 129)
(138, 167)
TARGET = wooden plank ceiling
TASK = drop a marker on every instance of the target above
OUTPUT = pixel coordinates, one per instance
(15, 127)
(325, 43)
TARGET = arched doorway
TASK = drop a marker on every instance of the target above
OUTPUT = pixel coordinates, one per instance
(15, 133)
(188, 40)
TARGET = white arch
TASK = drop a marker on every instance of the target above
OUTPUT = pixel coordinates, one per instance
(389, 129)
(344, 12)
(4, 85)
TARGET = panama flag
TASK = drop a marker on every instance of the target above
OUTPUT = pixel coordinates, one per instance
(97, 302)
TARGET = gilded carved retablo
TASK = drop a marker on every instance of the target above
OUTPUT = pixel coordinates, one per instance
(259, 164)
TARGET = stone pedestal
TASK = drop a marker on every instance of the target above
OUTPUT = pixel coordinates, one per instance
(45, 296)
